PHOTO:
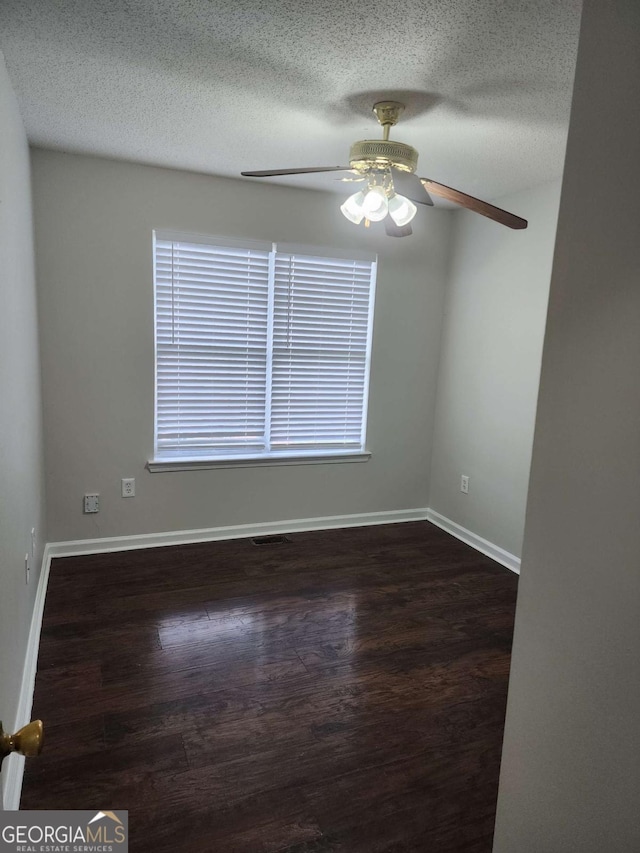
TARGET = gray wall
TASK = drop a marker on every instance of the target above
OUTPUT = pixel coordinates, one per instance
(21, 480)
(94, 219)
(570, 778)
(490, 366)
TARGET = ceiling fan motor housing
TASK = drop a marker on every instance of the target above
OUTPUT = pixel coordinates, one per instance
(381, 154)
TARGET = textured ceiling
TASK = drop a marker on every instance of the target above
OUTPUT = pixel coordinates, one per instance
(218, 87)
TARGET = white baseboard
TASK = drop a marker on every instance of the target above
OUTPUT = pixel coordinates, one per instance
(13, 766)
(239, 531)
(483, 545)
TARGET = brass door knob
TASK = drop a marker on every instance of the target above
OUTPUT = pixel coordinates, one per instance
(28, 741)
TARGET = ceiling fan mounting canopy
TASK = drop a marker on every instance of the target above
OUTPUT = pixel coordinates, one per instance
(388, 112)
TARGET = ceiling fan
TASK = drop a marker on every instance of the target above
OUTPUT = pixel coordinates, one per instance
(391, 187)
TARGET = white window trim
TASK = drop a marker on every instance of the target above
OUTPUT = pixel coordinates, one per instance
(167, 464)
(156, 466)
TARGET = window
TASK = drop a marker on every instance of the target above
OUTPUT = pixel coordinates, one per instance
(262, 351)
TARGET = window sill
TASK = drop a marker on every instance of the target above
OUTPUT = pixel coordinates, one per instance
(159, 465)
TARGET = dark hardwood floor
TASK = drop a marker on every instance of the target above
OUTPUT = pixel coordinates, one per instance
(344, 691)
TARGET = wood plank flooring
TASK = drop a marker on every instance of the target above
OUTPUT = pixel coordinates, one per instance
(342, 692)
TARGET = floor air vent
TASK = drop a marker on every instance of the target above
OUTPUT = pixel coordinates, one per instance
(278, 539)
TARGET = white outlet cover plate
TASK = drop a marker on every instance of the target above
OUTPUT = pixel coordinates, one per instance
(128, 487)
(91, 503)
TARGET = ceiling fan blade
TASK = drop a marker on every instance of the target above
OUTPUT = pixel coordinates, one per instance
(410, 186)
(394, 230)
(475, 204)
(273, 172)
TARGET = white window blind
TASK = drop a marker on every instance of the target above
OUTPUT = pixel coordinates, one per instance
(320, 352)
(259, 353)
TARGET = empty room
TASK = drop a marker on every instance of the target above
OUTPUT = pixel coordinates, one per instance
(319, 426)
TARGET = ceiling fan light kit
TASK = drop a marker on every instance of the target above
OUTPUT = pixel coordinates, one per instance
(374, 205)
(389, 169)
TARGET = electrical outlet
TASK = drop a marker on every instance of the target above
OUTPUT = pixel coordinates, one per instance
(92, 503)
(129, 487)
(464, 484)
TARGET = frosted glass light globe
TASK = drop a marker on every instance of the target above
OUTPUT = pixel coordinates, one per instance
(401, 209)
(375, 205)
(352, 208)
